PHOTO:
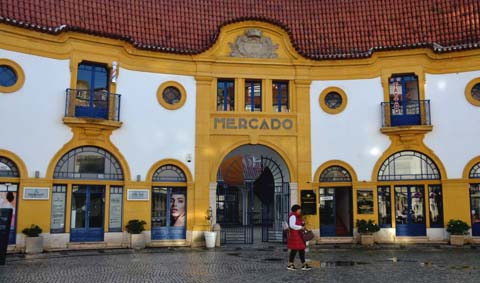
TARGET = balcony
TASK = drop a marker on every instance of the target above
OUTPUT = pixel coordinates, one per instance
(93, 104)
(406, 113)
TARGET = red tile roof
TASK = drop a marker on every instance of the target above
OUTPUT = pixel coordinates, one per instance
(319, 29)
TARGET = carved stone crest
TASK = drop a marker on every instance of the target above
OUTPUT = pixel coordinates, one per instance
(252, 44)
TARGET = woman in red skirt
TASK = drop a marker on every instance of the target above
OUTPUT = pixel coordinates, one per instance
(295, 240)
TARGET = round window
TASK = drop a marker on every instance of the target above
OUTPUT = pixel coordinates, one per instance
(333, 100)
(8, 77)
(476, 92)
(172, 95)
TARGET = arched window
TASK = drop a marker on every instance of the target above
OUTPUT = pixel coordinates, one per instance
(90, 163)
(8, 168)
(408, 165)
(335, 174)
(475, 172)
(169, 173)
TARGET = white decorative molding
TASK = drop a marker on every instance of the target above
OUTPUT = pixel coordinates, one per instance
(293, 194)
(213, 200)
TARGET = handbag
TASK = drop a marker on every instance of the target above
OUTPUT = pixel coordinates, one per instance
(307, 235)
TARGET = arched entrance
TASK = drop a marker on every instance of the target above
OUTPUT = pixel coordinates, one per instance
(253, 195)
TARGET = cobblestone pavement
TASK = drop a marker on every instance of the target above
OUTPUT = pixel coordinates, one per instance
(248, 264)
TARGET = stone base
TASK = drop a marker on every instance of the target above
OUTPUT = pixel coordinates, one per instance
(33, 245)
(457, 240)
(137, 241)
(367, 240)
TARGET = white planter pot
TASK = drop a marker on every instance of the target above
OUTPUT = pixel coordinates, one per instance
(33, 245)
(137, 241)
(457, 240)
(367, 240)
(210, 239)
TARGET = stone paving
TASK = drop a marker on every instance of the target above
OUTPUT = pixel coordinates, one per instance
(248, 264)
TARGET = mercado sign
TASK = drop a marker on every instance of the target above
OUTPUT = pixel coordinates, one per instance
(253, 123)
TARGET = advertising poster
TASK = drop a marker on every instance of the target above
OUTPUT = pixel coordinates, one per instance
(365, 202)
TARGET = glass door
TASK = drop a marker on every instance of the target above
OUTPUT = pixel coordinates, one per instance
(410, 211)
(87, 213)
(327, 212)
(404, 100)
(475, 208)
(169, 213)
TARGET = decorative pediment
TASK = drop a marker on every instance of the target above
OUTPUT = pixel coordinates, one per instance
(252, 44)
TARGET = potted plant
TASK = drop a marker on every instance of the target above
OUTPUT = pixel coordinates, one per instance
(33, 242)
(366, 230)
(135, 227)
(457, 229)
(210, 236)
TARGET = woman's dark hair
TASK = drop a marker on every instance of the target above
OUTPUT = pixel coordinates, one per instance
(296, 207)
(10, 197)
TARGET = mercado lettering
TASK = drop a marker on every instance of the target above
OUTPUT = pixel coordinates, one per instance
(253, 123)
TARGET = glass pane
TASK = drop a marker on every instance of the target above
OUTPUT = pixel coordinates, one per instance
(225, 95)
(333, 100)
(172, 95)
(435, 205)
(365, 202)
(401, 205)
(58, 209)
(159, 207)
(475, 203)
(8, 199)
(96, 210)
(280, 96)
(418, 202)
(178, 201)
(396, 95)
(115, 208)
(90, 163)
(384, 206)
(476, 92)
(79, 204)
(253, 96)
(327, 213)
(8, 77)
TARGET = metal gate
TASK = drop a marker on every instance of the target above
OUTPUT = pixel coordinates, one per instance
(235, 203)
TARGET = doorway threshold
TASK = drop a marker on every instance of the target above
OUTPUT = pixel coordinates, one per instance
(336, 240)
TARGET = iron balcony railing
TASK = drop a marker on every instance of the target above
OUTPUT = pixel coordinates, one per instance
(92, 103)
(406, 113)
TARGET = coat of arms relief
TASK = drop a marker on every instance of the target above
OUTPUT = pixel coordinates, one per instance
(252, 44)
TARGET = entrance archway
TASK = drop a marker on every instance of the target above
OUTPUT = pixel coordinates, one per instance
(253, 195)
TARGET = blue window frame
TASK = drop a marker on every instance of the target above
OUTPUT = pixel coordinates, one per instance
(280, 97)
(88, 163)
(92, 91)
(253, 95)
(404, 100)
(8, 77)
(169, 173)
(225, 95)
(169, 213)
(384, 207)
(408, 165)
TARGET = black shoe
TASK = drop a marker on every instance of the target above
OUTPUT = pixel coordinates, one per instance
(306, 267)
(291, 267)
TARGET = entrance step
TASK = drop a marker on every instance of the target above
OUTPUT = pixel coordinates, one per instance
(336, 240)
(86, 245)
(417, 240)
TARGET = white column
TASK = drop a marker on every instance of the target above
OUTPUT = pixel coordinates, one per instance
(293, 194)
(213, 200)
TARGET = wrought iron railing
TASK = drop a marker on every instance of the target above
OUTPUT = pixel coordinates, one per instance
(406, 113)
(89, 103)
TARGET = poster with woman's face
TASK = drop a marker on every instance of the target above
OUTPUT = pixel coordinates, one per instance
(8, 199)
(177, 208)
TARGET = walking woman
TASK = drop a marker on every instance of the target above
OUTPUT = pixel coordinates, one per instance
(295, 240)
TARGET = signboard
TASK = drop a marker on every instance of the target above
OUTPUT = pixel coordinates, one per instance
(326, 198)
(308, 202)
(115, 220)
(140, 195)
(36, 193)
(365, 202)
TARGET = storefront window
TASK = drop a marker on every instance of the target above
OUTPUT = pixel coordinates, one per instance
(59, 197)
(8, 199)
(115, 209)
(384, 207)
(365, 202)
(475, 204)
(435, 205)
(169, 211)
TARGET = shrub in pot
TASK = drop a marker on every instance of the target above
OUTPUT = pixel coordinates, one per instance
(33, 241)
(135, 227)
(457, 229)
(366, 230)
